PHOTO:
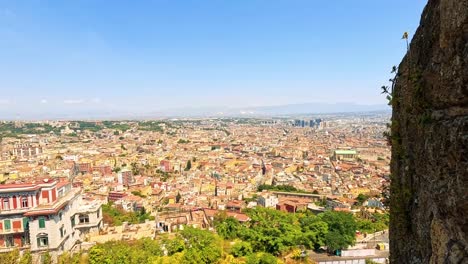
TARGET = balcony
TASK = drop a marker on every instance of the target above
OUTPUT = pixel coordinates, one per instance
(9, 249)
(89, 224)
(14, 211)
(11, 231)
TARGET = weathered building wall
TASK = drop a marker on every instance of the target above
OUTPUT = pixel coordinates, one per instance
(429, 204)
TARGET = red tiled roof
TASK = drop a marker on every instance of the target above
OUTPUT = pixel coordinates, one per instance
(17, 185)
(46, 211)
(239, 216)
(61, 184)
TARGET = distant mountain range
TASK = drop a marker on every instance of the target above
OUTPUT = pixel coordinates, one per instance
(277, 110)
(318, 108)
(259, 111)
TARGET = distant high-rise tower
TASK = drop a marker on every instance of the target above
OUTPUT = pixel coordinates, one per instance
(125, 177)
(311, 123)
(263, 168)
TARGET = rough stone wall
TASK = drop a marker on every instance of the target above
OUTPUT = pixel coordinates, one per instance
(429, 190)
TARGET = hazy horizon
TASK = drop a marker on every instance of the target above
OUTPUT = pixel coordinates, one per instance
(197, 112)
(95, 58)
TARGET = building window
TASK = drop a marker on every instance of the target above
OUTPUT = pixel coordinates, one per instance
(43, 241)
(24, 239)
(7, 224)
(62, 233)
(41, 222)
(24, 202)
(72, 219)
(25, 223)
(9, 242)
(6, 204)
(60, 216)
(98, 212)
(84, 219)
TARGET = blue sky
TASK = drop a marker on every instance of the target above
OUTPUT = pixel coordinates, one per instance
(149, 55)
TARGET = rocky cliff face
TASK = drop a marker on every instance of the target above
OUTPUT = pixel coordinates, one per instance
(429, 204)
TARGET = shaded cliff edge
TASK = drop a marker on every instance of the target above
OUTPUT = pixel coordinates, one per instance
(429, 189)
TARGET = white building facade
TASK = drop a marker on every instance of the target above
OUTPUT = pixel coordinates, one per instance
(46, 216)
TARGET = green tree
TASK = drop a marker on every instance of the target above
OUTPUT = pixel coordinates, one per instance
(173, 245)
(270, 230)
(139, 251)
(361, 198)
(138, 193)
(261, 258)
(26, 258)
(116, 216)
(65, 258)
(314, 230)
(201, 243)
(152, 246)
(79, 258)
(334, 241)
(341, 229)
(227, 227)
(364, 225)
(135, 168)
(241, 249)
(373, 223)
(188, 166)
(46, 258)
(193, 256)
(10, 257)
(98, 255)
(281, 188)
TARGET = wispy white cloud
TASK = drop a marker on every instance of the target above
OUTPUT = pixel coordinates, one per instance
(96, 100)
(73, 101)
(44, 101)
(4, 101)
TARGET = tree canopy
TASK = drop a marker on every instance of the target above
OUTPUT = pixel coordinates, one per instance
(273, 231)
(341, 229)
(116, 216)
(266, 236)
